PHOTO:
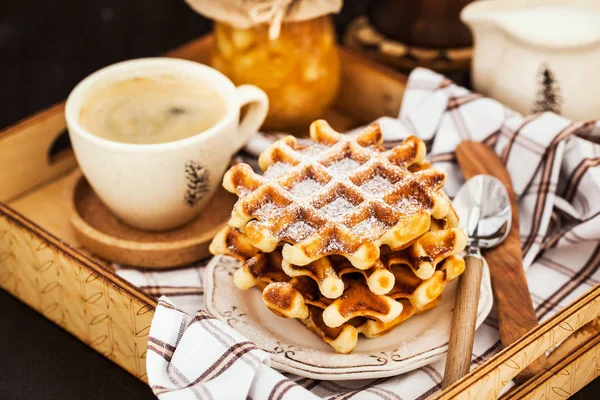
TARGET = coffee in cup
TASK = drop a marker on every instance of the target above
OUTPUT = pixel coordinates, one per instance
(145, 110)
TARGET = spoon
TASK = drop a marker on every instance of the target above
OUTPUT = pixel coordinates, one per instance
(484, 210)
(514, 308)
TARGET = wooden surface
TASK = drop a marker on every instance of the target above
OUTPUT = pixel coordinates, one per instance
(586, 333)
(516, 315)
(464, 316)
(46, 205)
(368, 90)
(101, 232)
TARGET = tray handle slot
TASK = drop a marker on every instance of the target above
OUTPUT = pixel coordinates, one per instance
(34, 152)
(59, 148)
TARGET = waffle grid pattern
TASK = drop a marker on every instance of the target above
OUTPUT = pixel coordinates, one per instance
(341, 234)
(341, 196)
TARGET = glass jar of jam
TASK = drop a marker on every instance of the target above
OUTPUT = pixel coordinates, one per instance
(299, 69)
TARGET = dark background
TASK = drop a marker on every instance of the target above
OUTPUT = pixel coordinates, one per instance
(46, 47)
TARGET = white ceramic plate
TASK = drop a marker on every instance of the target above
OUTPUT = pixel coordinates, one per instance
(419, 341)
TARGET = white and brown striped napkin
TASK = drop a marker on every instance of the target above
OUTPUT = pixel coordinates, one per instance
(553, 163)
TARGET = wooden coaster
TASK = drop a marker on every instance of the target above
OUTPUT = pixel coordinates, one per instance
(102, 233)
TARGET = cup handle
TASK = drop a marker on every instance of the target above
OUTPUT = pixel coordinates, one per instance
(255, 115)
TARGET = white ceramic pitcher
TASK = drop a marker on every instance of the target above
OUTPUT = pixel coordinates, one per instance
(538, 55)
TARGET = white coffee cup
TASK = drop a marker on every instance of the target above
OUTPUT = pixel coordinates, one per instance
(163, 185)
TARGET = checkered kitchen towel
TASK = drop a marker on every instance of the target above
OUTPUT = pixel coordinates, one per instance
(553, 163)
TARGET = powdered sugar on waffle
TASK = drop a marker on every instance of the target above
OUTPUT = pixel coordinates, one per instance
(298, 231)
(337, 209)
(314, 150)
(343, 167)
(408, 205)
(306, 188)
(242, 191)
(370, 227)
(377, 185)
(276, 170)
(267, 210)
(335, 245)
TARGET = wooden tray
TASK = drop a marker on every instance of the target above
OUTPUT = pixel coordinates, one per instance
(42, 263)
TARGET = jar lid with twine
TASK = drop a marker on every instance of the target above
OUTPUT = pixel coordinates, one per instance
(244, 14)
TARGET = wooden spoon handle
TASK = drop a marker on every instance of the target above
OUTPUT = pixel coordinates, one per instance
(464, 317)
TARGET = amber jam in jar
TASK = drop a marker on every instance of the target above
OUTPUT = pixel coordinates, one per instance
(299, 70)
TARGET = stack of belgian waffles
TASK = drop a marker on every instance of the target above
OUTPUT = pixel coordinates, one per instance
(341, 234)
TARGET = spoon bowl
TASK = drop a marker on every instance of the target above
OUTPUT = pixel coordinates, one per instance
(483, 207)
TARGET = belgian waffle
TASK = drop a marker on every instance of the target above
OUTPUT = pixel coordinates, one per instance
(415, 294)
(342, 339)
(291, 297)
(372, 328)
(342, 195)
(341, 234)
(328, 272)
(430, 249)
(372, 315)
(232, 242)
